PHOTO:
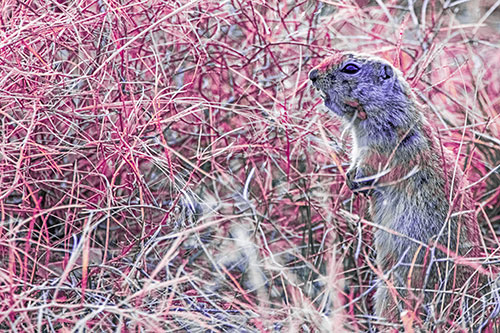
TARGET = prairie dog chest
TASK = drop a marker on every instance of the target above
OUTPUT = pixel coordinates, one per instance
(358, 151)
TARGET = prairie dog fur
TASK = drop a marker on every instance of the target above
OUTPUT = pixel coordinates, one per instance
(415, 187)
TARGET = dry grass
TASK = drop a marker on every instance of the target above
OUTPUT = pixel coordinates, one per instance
(165, 166)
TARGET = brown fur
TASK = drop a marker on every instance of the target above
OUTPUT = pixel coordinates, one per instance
(416, 189)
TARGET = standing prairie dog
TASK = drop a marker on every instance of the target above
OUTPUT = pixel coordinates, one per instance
(418, 195)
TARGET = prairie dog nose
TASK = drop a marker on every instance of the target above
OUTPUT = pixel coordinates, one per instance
(313, 75)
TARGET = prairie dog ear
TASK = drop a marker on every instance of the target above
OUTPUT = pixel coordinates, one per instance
(386, 72)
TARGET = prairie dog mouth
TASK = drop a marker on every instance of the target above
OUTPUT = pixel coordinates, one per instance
(324, 95)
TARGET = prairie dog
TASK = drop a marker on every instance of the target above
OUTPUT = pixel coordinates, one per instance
(418, 195)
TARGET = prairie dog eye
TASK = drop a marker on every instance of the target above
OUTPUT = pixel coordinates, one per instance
(350, 69)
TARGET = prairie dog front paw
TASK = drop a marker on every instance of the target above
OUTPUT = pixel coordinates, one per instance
(356, 185)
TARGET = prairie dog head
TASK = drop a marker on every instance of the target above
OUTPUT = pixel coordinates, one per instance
(360, 86)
